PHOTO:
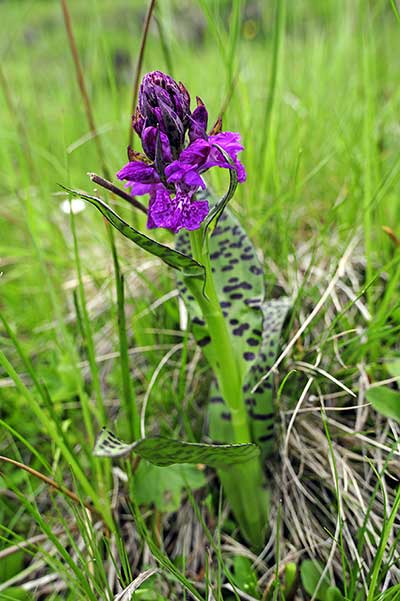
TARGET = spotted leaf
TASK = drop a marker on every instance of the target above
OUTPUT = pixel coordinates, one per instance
(260, 404)
(166, 451)
(171, 257)
(219, 416)
(239, 284)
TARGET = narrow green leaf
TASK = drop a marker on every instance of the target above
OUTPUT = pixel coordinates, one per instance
(393, 367)
(290, 580)
(165, 451)
(386, 401)
(244, 575)
(310, 575)
(17, 594)
(128, 593)
(218, 208)
(171, 257)
(334, 594)
(129, 397)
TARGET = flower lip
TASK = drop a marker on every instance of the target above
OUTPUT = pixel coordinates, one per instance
(178, 213)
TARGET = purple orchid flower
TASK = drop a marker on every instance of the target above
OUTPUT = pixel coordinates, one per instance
(177, 151)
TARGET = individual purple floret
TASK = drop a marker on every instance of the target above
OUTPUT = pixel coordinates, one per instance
(177, 151)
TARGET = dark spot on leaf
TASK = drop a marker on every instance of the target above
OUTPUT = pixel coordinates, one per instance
(248, 356)
(241, 329)
(200, 322)
(225, 304)
(262, 417)
(204, 341)
(265, 437)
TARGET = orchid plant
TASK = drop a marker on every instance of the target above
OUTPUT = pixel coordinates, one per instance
(221, 281)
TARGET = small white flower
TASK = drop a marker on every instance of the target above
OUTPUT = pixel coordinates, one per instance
(75, 205)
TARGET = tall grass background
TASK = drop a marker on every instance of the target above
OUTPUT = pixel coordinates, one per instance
(90, 322)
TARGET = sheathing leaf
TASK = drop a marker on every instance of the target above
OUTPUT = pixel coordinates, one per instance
(260, 404)
(255, 327)
(239, 283)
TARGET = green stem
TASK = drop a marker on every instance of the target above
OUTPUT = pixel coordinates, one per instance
(226, 367)
(243, 484)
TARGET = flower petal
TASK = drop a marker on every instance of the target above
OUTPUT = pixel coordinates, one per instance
(229, 141)
(162, 210)
(138, 189)
(189, 165)
(198, 123)
(196, 154)
(180, 175)
(149, 141)
(193, 214)
(241, 171)
(137, 171)
(194, 180)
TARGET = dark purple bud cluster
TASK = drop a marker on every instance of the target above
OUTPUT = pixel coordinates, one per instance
(177, 150)
(165, 104)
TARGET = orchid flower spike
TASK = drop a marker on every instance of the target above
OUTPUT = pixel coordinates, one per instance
(177, 150)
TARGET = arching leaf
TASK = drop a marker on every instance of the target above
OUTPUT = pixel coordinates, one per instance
(166, 451)
(188, 266)
(218, 208)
